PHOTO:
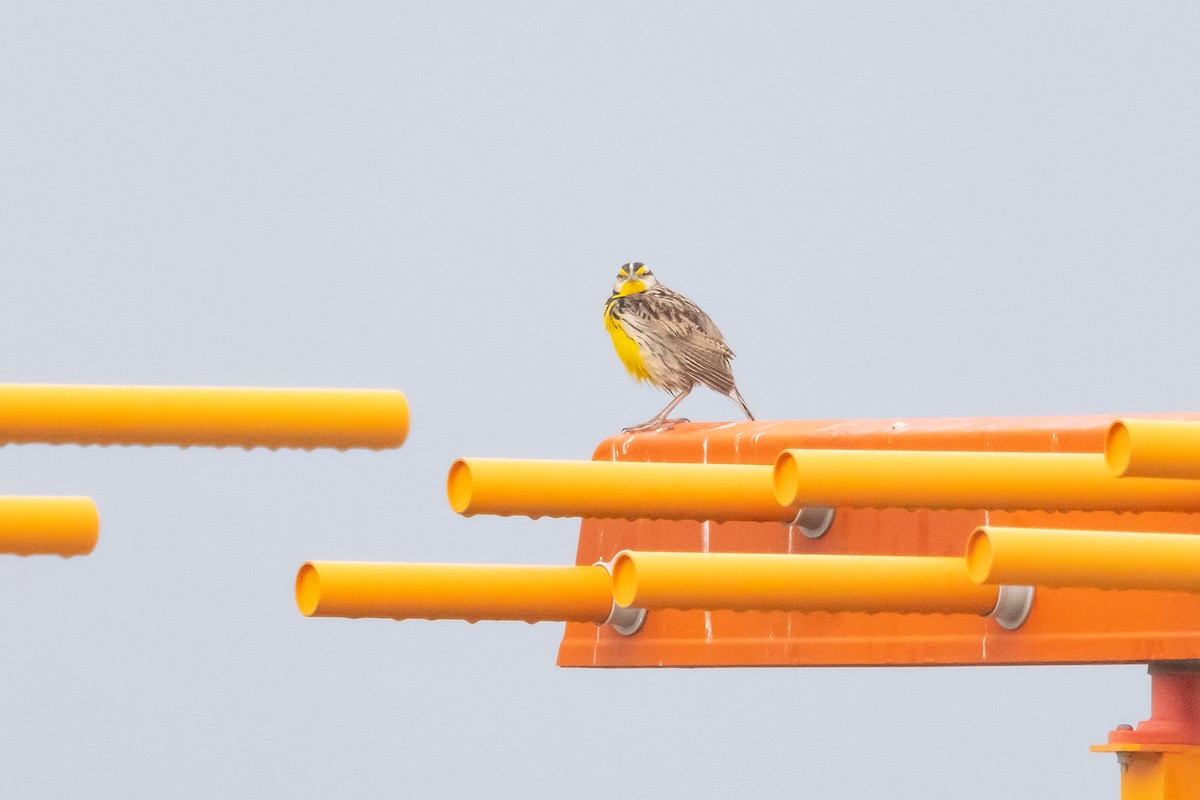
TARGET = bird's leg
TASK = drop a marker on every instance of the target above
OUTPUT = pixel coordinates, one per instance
(660, 419)
(662, 415)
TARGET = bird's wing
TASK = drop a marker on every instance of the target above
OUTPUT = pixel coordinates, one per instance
(676, 318)
(681, 333)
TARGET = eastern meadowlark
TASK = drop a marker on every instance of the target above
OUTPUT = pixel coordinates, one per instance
(664, 338)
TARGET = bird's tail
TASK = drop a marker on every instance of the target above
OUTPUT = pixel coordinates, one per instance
(737, 398)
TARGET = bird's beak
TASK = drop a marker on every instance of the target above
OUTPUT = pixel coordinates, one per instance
(629, 286)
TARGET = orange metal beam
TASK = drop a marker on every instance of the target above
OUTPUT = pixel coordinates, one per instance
(1153, 449)
(186, 416)
(613, 490)
(952, 480)
(1065, 625)
(62, 526)
(469, 592)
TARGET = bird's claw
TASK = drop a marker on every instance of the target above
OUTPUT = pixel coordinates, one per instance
(654, 425)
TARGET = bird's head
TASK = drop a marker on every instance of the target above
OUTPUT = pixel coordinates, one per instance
(632, 278)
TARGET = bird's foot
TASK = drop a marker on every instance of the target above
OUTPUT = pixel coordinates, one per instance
(654, 425)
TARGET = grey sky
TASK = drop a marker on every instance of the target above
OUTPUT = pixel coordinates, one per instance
(917, 210)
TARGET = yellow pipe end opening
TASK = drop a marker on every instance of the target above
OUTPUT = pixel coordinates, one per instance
(1153, 448)
(459, 486)
(308, 589)
(1117, 448)
(624, 579)
(786, 479)
(979, 556)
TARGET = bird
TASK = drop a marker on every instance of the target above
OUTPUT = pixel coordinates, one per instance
(666, 340)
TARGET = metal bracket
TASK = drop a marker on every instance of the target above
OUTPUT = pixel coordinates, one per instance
(625, 621)
(1012, 606)
(813, 521)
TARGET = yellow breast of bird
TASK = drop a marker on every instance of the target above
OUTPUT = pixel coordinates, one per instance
(627, 349)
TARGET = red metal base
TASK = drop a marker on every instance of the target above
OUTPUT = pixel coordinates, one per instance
(1174, 707)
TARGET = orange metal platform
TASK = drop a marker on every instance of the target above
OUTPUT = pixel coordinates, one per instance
(1064, 626)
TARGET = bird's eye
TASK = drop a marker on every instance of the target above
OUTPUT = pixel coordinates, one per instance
(622, 274)
(642, 271)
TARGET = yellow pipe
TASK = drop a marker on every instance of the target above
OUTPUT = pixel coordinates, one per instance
(948, 480)
(608, 489)
(62, 526)
(761, 582)
(220, 417)
(1085, 559)
(454, 591)
(1148, 448)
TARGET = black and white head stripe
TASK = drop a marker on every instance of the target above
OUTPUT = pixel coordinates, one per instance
(634, 269)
